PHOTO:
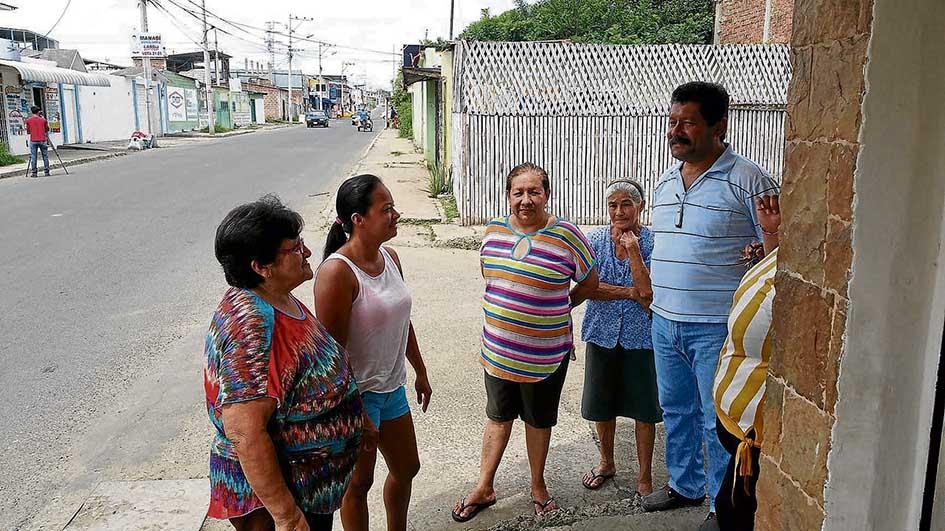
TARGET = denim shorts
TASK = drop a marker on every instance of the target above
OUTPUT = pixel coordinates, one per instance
(385, 406)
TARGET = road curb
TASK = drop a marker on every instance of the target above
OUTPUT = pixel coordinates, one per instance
(54, 165)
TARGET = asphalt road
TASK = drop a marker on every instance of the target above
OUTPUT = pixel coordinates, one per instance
(107, 279)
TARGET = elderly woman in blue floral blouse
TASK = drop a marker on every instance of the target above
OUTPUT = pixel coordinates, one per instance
(619, 374)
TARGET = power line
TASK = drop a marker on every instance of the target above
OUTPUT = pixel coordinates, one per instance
(177, 23)
(197, 16)
(58, 20)
(264, 30)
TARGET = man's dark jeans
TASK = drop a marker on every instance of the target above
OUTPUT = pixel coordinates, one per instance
(44, 149)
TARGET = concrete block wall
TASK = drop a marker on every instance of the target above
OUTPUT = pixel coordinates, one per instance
(829, 51)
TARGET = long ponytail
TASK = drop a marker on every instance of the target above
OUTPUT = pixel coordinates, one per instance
(354, 197)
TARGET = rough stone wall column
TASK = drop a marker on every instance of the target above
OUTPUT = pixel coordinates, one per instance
(829, 46)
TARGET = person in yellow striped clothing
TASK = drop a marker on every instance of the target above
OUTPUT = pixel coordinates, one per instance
(739, 387)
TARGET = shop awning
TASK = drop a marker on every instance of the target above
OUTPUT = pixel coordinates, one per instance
(52, 74)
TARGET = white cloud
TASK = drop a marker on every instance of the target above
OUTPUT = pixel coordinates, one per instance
(101, 29)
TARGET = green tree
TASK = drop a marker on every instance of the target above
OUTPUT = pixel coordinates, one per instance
(599, 21)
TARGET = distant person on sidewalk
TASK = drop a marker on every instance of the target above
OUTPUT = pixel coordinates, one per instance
(703, 217)
(38, 129)
(739, 388)
(361, 297)
(619, 372)
(529, 260)
(280, 393)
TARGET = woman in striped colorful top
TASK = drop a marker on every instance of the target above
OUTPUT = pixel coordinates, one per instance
(739, 388)
(528, 260)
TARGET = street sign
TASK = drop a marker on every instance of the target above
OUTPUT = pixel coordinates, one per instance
(147, 45)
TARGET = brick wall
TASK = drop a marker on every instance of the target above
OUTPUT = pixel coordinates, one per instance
(273, 100)
(743, 21)
(829, 46)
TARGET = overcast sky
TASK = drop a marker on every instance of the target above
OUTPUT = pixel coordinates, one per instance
(101, 29)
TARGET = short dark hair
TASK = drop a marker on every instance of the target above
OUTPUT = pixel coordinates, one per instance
(712, 98)
(35, 109)
(528, 167)
(254, 231)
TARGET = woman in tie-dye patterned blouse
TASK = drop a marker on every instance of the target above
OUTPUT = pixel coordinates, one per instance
(529, 260)
(280, 392)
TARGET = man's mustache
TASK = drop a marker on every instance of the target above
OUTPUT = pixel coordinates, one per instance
(679, 140)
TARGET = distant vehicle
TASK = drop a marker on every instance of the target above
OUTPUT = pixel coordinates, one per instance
(363, 121)
(316, 118)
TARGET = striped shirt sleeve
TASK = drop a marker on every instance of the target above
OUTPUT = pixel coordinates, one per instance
(583, 254)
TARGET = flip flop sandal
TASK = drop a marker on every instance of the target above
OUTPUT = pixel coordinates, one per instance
(477, 507)
(540, 507)
(589, 483)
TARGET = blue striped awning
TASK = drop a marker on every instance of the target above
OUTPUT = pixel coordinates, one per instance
(53, 74)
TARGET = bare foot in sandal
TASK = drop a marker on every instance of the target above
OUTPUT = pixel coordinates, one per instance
(543, 501)
(543, 508)
(596, 478)
(474, 502)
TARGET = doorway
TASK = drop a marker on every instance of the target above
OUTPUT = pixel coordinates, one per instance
(39, 98)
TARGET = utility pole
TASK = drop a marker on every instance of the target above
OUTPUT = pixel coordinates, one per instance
(344, 81)
(291, 30)
(452, 11)
(270, 47)
(211, 125)
(321, 80)
(290, 67)
(216, 56)
(146, 63)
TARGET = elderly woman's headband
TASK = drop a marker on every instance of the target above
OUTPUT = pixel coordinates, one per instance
(630, 182)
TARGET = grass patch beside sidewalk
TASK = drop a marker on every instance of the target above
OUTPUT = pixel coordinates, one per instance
(448, 203)
(217, 130)
(6, 159)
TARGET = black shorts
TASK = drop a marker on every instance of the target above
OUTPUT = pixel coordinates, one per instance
(535, 403)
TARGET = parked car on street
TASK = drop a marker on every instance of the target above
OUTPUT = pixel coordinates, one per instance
(316, 118)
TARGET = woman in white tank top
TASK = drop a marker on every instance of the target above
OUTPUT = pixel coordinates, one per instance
(361, 298)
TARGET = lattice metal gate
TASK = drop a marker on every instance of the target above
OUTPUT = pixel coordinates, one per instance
(592, 113)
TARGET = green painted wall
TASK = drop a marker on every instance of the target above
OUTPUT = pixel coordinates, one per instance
(429, 136)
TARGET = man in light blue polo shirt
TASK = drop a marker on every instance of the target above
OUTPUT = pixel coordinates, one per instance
(703, 217)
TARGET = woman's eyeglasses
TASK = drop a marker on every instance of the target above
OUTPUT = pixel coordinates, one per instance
(298, 248)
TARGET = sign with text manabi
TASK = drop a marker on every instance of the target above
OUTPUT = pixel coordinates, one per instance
(147, 45)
